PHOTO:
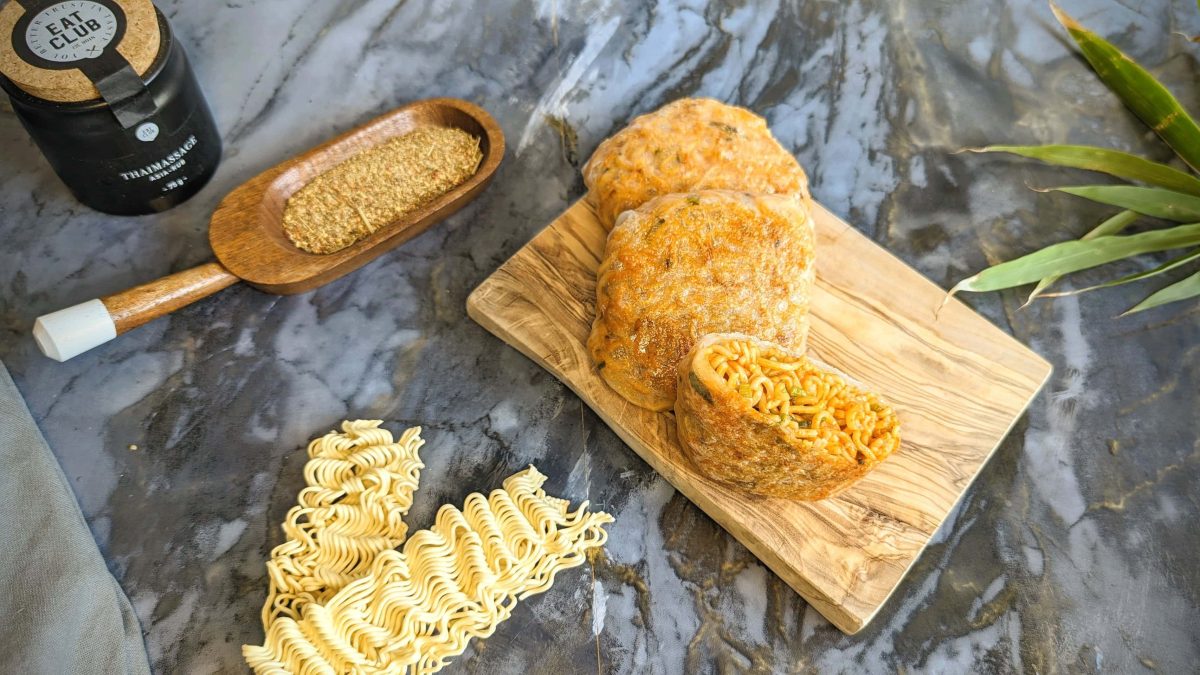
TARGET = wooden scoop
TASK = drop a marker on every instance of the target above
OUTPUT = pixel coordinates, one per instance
(247, 236)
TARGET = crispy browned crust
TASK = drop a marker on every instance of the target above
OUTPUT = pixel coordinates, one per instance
(690, 144)
(685, 265)
(731, 442)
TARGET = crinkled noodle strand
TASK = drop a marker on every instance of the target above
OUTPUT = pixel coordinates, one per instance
(363, 607)
(360, 487)
(808, 402)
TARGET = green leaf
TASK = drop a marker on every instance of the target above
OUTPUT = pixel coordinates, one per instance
(1165, 267)
(1105, 160)
(1072, 256)
(1138, 90)
(1155, 202)
(1113, 225)
(1180, 290)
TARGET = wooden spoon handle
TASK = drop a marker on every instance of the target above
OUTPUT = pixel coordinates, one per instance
(74, 330)
(140, 304)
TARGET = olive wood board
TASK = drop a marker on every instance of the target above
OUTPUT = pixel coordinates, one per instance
(957, 382)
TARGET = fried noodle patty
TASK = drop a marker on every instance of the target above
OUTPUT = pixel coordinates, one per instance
(684, 265)
(687, 145)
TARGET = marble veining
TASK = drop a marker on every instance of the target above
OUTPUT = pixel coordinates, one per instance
(1074, 551)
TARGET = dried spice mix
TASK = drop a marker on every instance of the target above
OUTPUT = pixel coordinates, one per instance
(379, 186)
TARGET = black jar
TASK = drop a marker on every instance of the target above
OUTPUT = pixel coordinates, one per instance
(161, 151)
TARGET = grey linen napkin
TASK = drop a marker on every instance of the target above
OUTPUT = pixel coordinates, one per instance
(61, 610)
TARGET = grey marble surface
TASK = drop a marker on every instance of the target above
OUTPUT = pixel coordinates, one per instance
(1075, 551)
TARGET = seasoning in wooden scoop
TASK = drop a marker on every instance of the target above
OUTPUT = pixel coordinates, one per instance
(378, 186)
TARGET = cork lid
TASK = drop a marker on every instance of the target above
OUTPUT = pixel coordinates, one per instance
(45, 44)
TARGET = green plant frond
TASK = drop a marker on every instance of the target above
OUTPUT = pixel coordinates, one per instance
(1138, 90)
(1130, 278)
(1155, 202)
(1105, 160)
(1180, 290)
(1114, 225)
(1072, 256)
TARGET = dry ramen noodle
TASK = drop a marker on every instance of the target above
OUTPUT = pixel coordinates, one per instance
(360, 487)
(372, 609)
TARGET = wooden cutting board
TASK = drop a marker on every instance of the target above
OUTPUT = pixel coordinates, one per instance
(957, 382)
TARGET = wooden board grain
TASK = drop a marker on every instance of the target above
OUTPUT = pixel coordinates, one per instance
(957, 382)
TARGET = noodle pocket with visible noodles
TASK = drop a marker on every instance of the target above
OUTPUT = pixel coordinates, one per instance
(756, 416)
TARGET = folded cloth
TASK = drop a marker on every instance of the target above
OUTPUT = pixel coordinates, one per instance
(63, 612)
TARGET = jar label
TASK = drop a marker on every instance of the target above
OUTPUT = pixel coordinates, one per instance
(161, 167)
(71, 31)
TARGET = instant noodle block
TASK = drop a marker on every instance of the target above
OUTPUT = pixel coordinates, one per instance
(955, 382)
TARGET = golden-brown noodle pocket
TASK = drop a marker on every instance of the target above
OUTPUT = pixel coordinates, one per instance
(691, 144)
(769, 421)
(689, 264)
